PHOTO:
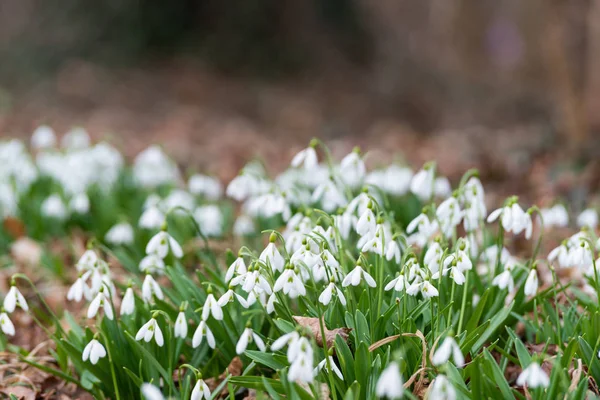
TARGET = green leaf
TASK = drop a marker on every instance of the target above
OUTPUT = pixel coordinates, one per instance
(498, 375)
(495, 323)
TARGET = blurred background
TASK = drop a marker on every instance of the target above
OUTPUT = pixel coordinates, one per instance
(511, 87)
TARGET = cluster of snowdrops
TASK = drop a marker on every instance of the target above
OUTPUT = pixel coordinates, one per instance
(348, 283)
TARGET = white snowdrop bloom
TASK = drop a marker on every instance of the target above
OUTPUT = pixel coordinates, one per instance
(151, 330)
(152, 264)
(556, 215)
(152, 168)
(270, 256)
(93, 351)
(533, 377)
(101, 300)
(424, 230)
(79, 289)
(324, 364)
(355, 276)
(200, 391)
(289, 338)
(75, 139)
(120, 234)
(441, 389)
(449, 214)
(228, 296)
(531, 284)
(270, 307)
(399, 283)
(306, 158)
(43, 138)
(392, 251)
(54, 207)
(181, 327)
(151, 289)
(212, 307)
(373, 244)
(128, 302)
(352, 169)
(15, 298)
(344, 224)
(390, 382)
(179, 199)
(327, 294)
(490, 255)
(8, 201)
(460, 259)
(242, 186)
(433, 257)
(455, 274)
(203, 331)
(330, 196)
(6, 325)
(300, 355)
(422, 183)
(397, 180)
(151, 218)
(247, 337)
(560, 254)
(580, 255)
(442, 187)
(448, 349)
(210, 220)
(151, 392)
(513, 219)
(205, 186)
(504, 280)
(359, 204)
(425, 287)
(80, 203)
(161, 243)
(290, 283)
(304, 257)
(588, 218)
(238, 267)
(87, 260)
(367, 223)
(243, 226)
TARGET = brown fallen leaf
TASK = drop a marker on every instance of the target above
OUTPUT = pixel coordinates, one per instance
(20, 392)
(315, 327)
(234, 369)
(14, 226)
(26, 251)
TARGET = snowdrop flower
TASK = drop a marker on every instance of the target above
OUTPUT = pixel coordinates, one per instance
(424, 230)
(270, 255)
(93, 351)
(588, 218)
(243, 226)
(161, 243)
(555, 216)
(14, 298)
(533, 376)
(152, 264)
(344, 223)
(455, 274)
(330, 196)
(151, 392)
(79, 289)
(87, 261)
(43, 138)
(247, 337)
(449, 214)
(352, 169)
(449, 348)
(205, 186)
(152, 168)
(201, 331)
(290, 283)
(327, 294)
(367, 223)
(300, 354)
(100, 301)
(151, 330)
(6, 324)
(200, 391)
(238, 267)
(128, 303)
(75, 139)
(441, 389)
(152, 218)
(181, 327)
(355, 276)
(531, 284)
(390, 382)
(151, 289)
(211, 307)
(399, 283)
(442, 187)
(54, 207)
(580, 255)
(433, 257)
(210, 220)
(80, 204)
(514, 219)
(561, 254)
(425, 287)
(120, 234)
(306, 158)
(392, 251)
(504, 280)
(422, 183)
(289, 338)
(228, 296)
(325, 364)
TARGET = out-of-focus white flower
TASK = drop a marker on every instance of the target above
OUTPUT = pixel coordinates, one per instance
(80, 203)
(531, 284)
(93, 351)
(533, 376)
(442, 187)
(390, 382)
(422, 183)
(504, 280)
(306, 158)
(514, 219)
(206, 186)
(75, 139)
(271, 256)
(6, 325)
(327, 294)
(161, 243)
(449, 348)
(79, 290)
(43, 138)
(151, 330)
(588, 218)
(555, 216)
(352, 169)
(101, 300)
(325, 364)
(210, 220)
(152, 168)
(152, 264)
(200, 391)
(201, 331)
(150, 289)
(120, 234)
(151, 392)
(181, 327)
(128, 302)
(243, 226)
(54, 207)
(14, 298)
(151, 218)
(355, 276)
(248, 336)
(441, 389)
(330, 196)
